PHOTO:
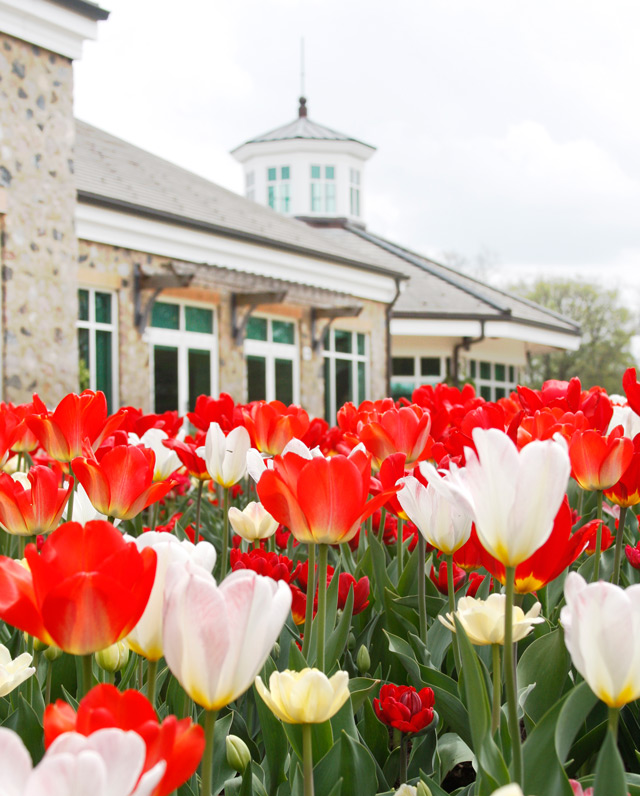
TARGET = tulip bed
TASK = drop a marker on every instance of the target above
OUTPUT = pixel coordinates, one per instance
(432, 597)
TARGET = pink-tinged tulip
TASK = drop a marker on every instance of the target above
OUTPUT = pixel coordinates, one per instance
(146, 636)
(320, 500)
(107, 763)
(226, 456)
(121, 483)
(33, 507)
(271, 425)
(85, 589)
(76, 420)
(512, 495)
(442, 523)
(598, 462)
(217, 638)
(602, 632)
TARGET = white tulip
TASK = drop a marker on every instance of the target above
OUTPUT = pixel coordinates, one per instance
(226, 456)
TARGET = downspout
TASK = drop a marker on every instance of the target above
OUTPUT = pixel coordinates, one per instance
(388, 312)
(466, 344)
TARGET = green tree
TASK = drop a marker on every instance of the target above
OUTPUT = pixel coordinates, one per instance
(607, 329)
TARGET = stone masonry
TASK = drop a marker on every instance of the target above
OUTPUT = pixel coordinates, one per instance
(39, 248)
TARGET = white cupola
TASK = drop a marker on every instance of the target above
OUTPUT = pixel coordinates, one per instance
(305, 169)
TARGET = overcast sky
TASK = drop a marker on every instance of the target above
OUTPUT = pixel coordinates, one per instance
(502, 127)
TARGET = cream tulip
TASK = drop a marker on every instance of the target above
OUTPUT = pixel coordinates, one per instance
(305, 697)
(483, 620)
(217, 638)
(442, 523)
(602, 632)
(253, 522)
(226, 456)
(146, 636)
(13, 672)
(513, 496)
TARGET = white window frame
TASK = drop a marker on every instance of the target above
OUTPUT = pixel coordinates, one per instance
(183, 340)
(417, 379)
(281, 190)
(322, 182)
(249, 183)
(95, 326)
(354, 192)
(271, 351)
(492, 383)
(332, 355)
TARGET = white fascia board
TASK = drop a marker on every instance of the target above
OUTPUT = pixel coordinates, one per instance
(47, 25)
(535, 335)
(430, 327)
(315, 145)
(103, 225)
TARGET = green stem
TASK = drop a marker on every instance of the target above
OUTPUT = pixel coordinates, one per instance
(47, 687)
(207, 757)
(452, 608)
(614, 715)
(617, 557)
(400, 548)
(225, 532)
(422, 601)
(87, 673)
(596, 555)
(497, 688)
(307, 759)
(383, 518)
(155, 514)
(321, 616)
(34, 658)
(72, 495)
(22, 540)
(311, 591)
(196, 536)
(152, 671)
(510, 678)
(403, 759)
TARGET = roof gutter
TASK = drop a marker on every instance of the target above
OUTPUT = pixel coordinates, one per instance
(388, 312)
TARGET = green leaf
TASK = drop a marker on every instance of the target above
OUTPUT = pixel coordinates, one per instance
(380, 580)
(448, 705)
(360, 688)
(222, 771)
(408, 583)
(544, 663)
(275, 743)
(375, 734)
(610, 778)
(357, 769)
(406, 654)
(452, 751)
(575, 710)
(24, 722)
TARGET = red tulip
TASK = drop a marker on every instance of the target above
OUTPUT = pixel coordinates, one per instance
(84, 591)
(137, 422)
(26, 511)
(633, 555)
(632, 389)
(346, 582)
(440, 579)
(598, 462)
(179, 742)
(271, 565)
(626, 492)
(560, 550)
(77, 418)
(320, 500)
(219, 410)
(121, 483)
(186, 452)
(404, 430)
(404, 708)
(272, 425)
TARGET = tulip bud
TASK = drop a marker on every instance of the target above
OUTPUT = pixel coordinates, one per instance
(363, 659)
(52, 653)
(113, 658)
(275, 652)
(38, 645)
(351, 642)
(238, 754)
(422, 789)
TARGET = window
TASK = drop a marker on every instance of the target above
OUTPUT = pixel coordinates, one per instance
(249, 185)
(346, 370)
(410, 372)
(183, 355)
(271, 360)
(354, 192)
(98, 343)
(323, 189)
(278, 188)
(492, 380)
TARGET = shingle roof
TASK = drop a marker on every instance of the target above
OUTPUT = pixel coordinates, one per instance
(302, 127)
(111, 171)
(435, 291)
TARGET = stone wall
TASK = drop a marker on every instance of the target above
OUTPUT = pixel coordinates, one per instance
(39, 248)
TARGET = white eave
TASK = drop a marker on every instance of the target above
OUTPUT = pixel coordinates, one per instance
(128, 231)
(508, 330)
(48, 25)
